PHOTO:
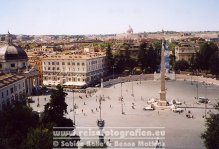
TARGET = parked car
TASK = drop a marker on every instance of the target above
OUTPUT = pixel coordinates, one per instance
(178, 103)
(180, 110)
(148, 108)
(172, 102)
(203, 100)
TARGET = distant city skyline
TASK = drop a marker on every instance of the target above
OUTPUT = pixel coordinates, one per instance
(73, 17)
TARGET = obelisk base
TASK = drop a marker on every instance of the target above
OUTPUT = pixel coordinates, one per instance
(162, 101)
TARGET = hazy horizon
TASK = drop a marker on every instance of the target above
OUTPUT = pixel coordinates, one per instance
(95, 17)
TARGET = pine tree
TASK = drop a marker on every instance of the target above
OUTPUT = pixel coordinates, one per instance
(142, 55)
(211, 134)
(56, 109)
(109, 59)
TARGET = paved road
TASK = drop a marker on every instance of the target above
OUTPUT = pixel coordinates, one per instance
(181, 132)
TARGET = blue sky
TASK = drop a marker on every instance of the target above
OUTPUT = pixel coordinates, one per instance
(106, 16)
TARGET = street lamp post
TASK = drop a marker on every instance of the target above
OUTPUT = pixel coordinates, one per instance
(101, 124)
(100, 108)
(121, 98)
(197, 90)
(113, 76)
(38, 102)
(38, 98)
(132, 84)
(122, 105)
(132, 89)
(121, 89)
(206, 97)
(140, 78)
(206, 86)
(74, 123)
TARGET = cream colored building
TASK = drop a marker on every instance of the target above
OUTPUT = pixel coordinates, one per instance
(184, 51)
(12, 87)
(44, 49)
(73, 69)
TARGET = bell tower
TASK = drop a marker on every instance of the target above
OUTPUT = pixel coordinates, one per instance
(8, 38)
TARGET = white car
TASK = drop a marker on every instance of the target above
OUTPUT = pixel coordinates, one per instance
(178, 103)
(178, 110)
(175, 102)
(148, 108)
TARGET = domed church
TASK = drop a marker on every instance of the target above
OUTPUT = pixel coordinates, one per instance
(14, 63)
(13, 59)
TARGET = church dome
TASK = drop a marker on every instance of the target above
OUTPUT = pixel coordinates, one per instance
(11, 51)
(130, 30)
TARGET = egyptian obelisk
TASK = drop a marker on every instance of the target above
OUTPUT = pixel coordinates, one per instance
(162, 101)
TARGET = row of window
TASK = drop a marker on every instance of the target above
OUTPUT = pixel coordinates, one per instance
(10, 100)
(69, 79)
(12, 90)
(73, 79)
(74, 69)
(13, 64)
(63, 63)
(53, 68)
(73, 63)
(72, 73)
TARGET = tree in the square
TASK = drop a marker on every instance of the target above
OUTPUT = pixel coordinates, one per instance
(15, 123)
(109, 59)
(119, 63)
(214, 64)
(151, 59)
(56, 109)
(181, 65)
(142, 57)
(38, 138)
(207, 50)
(211, 134)
(54, 113)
